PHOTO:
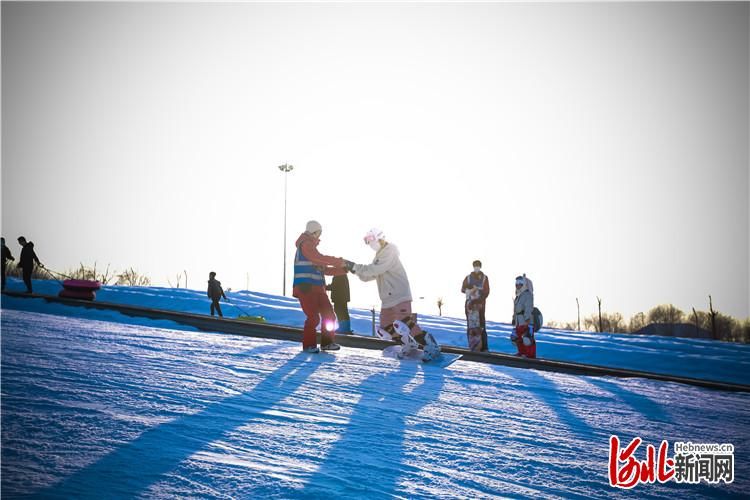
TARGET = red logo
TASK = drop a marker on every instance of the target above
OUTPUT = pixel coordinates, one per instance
(656, 467)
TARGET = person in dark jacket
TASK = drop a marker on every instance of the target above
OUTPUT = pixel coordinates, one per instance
(339, 289)
(5, 257)
(215, 293)
(27, 260)
(479, 281)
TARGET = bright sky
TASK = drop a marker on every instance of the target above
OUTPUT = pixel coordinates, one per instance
(600, 148)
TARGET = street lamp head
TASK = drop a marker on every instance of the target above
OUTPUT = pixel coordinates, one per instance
(286, 167)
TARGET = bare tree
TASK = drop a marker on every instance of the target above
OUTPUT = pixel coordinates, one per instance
(601, 326)
(177, 281)
(131, 277)
(440, 306)
(714, 333)
(637, 322)
(578, 305)
(665, 313)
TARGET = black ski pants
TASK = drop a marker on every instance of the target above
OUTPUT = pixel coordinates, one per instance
(27, 277)
(341, 309)
(215, 305)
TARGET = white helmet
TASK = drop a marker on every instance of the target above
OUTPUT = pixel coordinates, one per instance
(374, 234)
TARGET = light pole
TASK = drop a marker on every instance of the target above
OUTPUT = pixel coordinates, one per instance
(286, 169)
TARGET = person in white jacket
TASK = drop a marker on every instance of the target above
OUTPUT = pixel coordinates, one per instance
(393, 284)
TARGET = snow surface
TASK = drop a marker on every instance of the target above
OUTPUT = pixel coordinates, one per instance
(96, 404)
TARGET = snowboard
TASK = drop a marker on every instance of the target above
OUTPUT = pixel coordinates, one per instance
(473, 321)
(443, 360)
(411, 350)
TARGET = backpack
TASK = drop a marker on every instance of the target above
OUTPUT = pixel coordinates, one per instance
(537, 319)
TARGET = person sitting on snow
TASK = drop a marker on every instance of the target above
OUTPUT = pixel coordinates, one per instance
(523, 305)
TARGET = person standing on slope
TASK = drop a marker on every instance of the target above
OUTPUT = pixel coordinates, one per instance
(27, 260)
(523, 306)
(215, 292)
(479, 283)
(5, 258)
(309, 287)
(340, 297)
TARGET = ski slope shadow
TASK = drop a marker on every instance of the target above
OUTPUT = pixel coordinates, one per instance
(547, 391)
(638, 402)
(132, 468)
(378, 425)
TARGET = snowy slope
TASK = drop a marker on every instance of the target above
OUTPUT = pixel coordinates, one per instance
(696, 358)
(96, 404)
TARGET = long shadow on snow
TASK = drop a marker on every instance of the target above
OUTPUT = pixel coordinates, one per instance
(132, 468)
(547, 391)
(369, 457)
(638, 402)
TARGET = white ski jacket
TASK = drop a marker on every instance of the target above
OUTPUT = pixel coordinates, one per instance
(389, 273)
(522, 307)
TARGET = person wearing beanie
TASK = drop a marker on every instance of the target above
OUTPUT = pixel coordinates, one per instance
(523, 306)
(477, 284)
(215, 292)
(309, 287)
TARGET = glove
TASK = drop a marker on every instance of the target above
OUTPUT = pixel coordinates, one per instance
(349, 265)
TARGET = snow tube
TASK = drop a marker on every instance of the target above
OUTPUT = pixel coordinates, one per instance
(79, 289)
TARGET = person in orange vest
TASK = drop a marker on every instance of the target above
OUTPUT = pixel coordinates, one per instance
(309, 287)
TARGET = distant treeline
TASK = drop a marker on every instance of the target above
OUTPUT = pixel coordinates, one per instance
(128, 277)
(719, 325)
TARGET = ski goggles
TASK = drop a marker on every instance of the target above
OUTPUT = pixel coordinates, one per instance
(369, 239)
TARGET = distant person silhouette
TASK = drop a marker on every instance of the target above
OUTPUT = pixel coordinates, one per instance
(215, 293)
(27, 260)
(5, 257)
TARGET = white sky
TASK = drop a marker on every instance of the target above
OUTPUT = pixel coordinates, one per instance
(600, 148)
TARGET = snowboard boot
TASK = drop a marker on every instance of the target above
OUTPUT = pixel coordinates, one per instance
(408, 344)
(383, 334)
(313, 349)
(331, 347)
(431, 348)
